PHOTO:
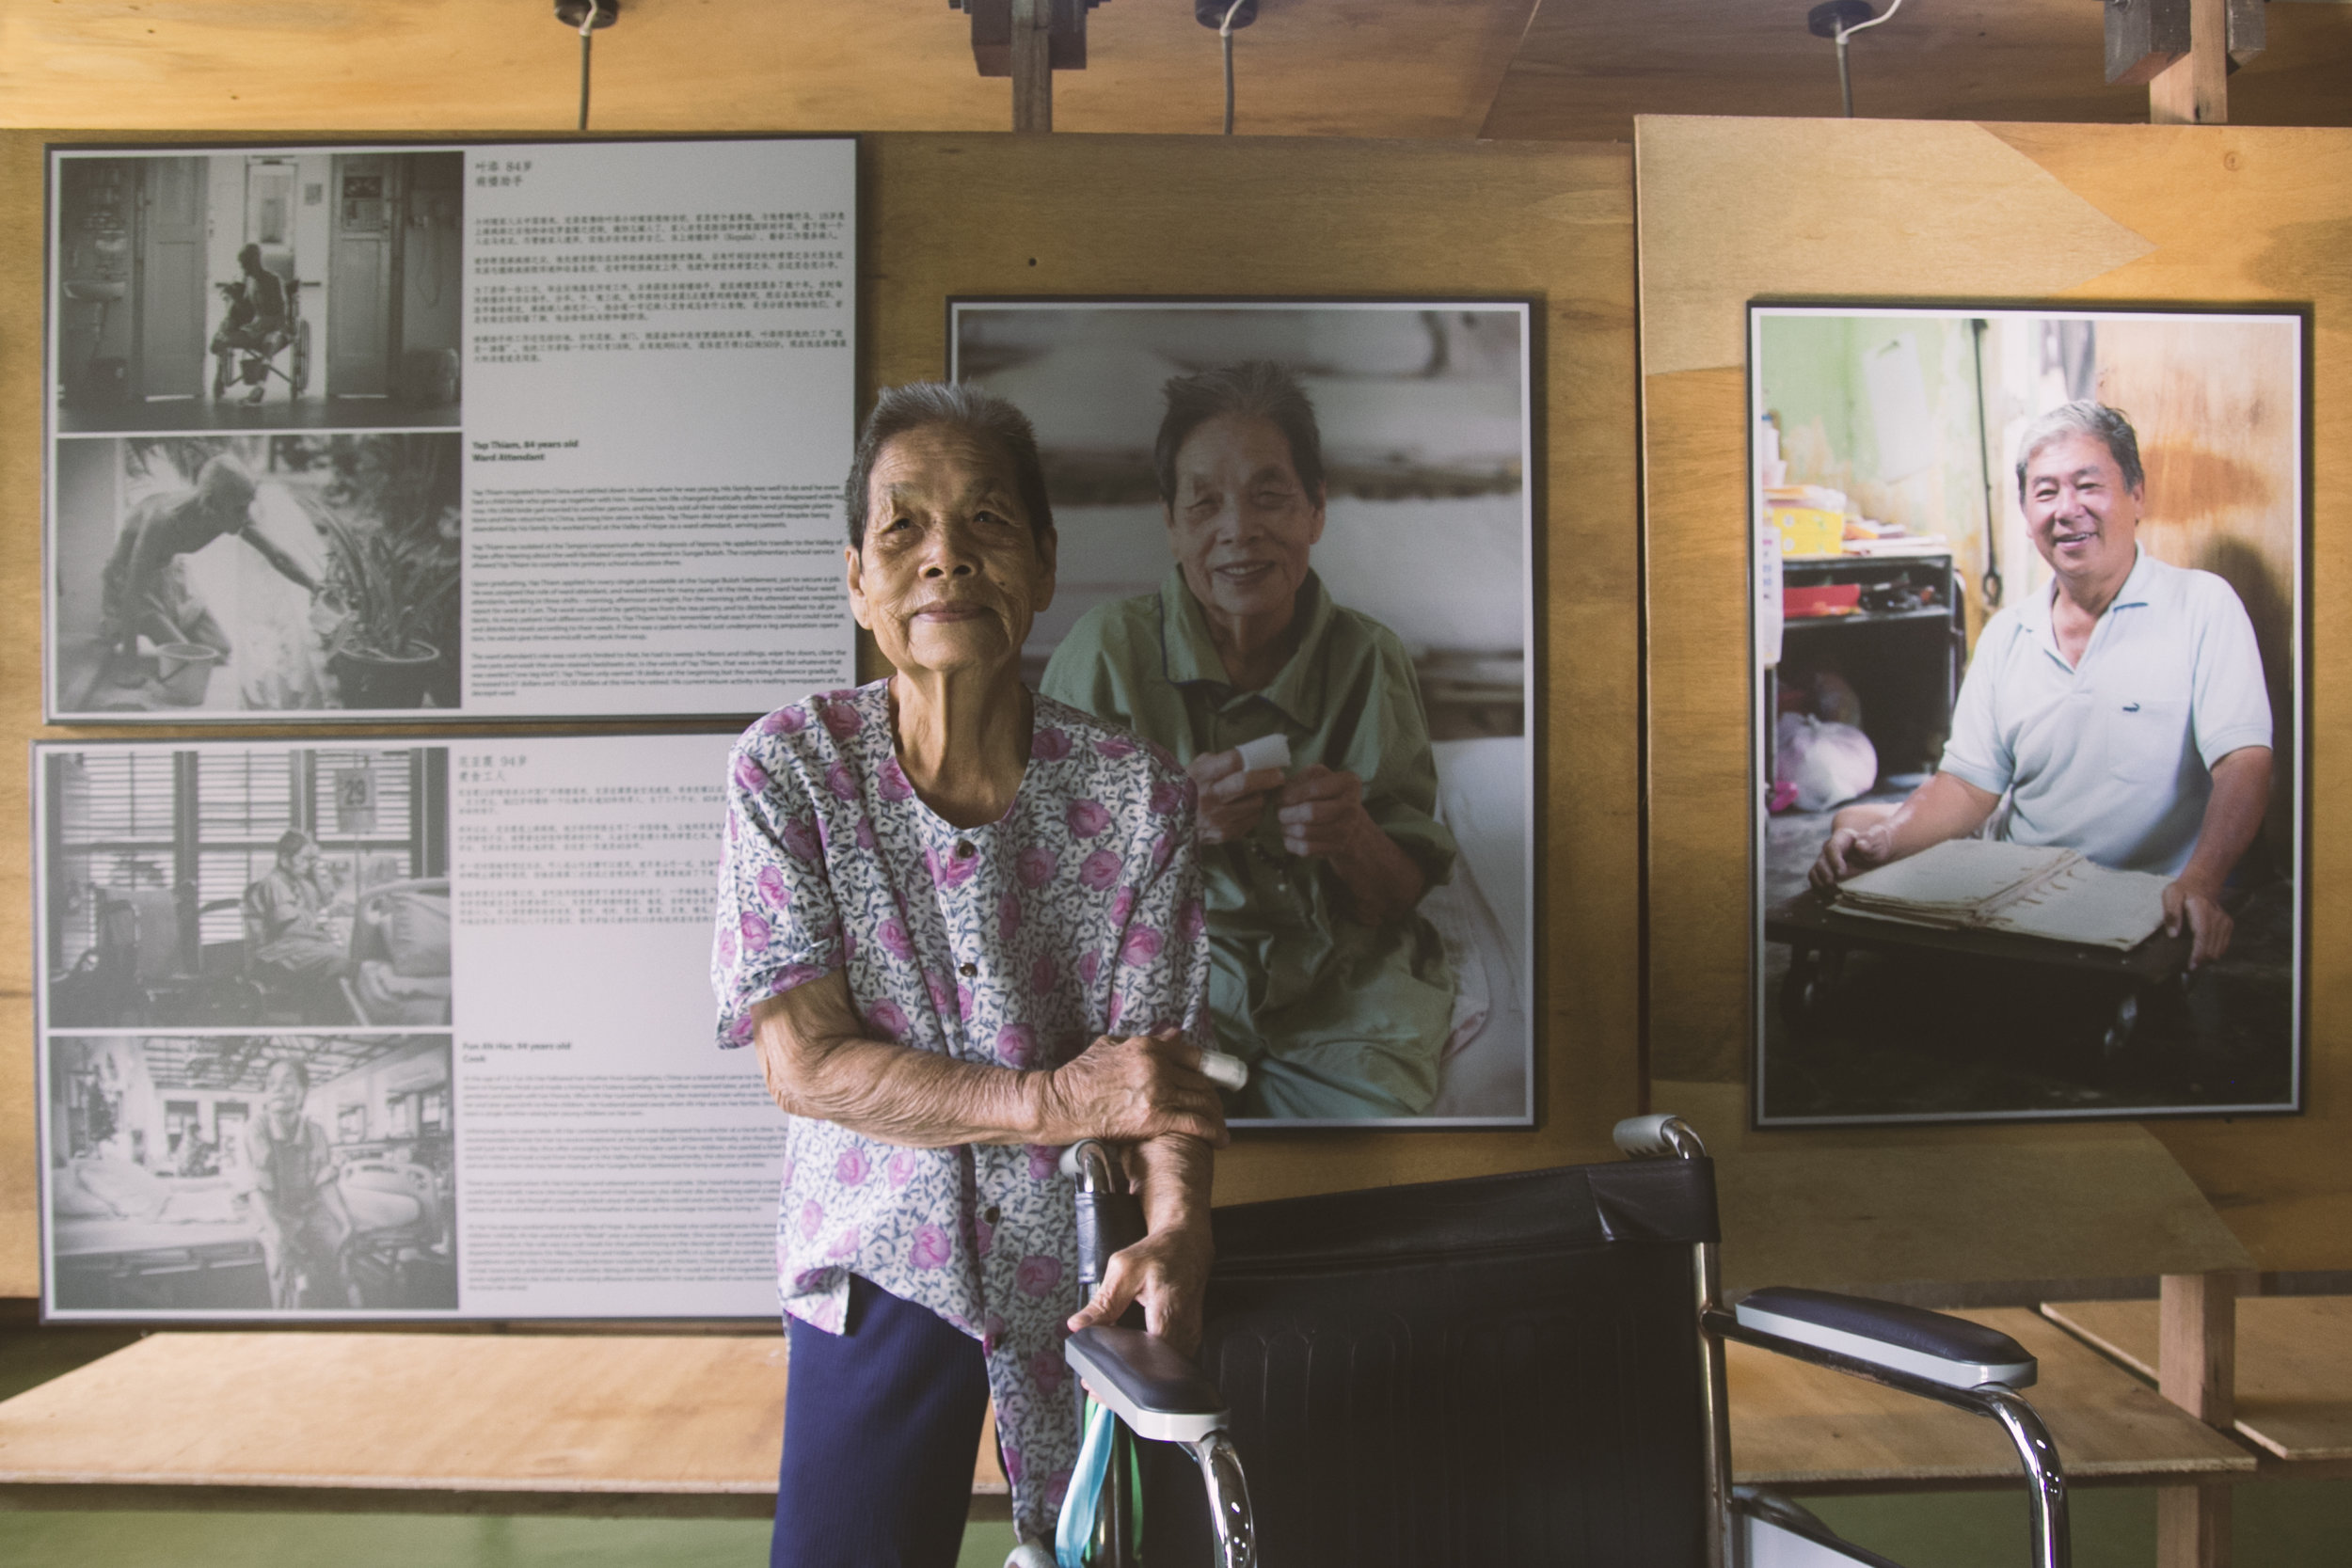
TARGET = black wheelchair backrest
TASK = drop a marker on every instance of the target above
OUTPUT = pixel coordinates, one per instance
(1503, 1370)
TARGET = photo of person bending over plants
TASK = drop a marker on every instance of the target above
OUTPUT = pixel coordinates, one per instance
(284, 574)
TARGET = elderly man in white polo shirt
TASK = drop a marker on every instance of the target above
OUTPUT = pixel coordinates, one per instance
(2122, 712)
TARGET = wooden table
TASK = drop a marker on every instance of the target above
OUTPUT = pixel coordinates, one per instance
(690, 1426)
(2293, 1366)
(672, 1425)
(1806, 1429)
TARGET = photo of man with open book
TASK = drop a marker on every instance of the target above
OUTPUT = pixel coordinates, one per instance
(2029, 847)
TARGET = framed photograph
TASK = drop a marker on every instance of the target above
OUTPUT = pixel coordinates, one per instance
(1297, 550)
(2031, 611)
(157, 1207)
(513, 430)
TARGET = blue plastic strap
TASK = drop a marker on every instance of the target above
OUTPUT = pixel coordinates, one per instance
(1076, 1531)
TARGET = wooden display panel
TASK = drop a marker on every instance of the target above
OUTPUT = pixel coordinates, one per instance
(994, 215)
(1808, 1429)
(2294, 1364)
(1733, 211)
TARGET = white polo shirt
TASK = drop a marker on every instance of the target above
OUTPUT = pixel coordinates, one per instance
(2113, 757)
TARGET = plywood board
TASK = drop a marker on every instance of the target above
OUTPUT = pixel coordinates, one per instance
(1877, 1207)
(1364, 68)
(638, 1416)
(1000, 214)
(2157, 213)
(1799, 1425)
(1583, 73)
(1935, 193)
(2293, 1364)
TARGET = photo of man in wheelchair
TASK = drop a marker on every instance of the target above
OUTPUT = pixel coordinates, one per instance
(252, 1174)
(280, 289)
(263, 320)
(247, 888)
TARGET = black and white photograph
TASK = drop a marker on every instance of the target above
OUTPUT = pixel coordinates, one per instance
(1295, 549)
(244, 888)
(2032, 615)
(250, 1176)
(270, 289)
(209, 575)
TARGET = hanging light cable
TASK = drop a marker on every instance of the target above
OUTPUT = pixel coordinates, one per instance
(1225, 18)
(1841, 19)
(1225, 33)
(586, 15)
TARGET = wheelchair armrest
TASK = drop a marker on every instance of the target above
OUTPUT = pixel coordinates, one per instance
(1146, 1383)
(1930, 1345)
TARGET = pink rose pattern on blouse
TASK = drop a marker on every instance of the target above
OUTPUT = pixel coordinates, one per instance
(1015, 944)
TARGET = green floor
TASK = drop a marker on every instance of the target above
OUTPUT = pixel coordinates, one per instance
(2288, 1525)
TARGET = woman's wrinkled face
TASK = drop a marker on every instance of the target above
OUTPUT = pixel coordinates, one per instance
(1241, 524)
(283, 1092)
(950, 574)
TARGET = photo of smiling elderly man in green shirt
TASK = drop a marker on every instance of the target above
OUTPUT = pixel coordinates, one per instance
(1301, 725)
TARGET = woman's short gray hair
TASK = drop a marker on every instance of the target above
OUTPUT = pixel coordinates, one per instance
(1254, 389)
(984, 416)
(2084, 417)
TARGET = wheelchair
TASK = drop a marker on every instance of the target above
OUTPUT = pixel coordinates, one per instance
(1521, 1368)
(256, 353)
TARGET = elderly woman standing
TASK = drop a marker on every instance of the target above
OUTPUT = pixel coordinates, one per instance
(1326, 977)
(963, 924)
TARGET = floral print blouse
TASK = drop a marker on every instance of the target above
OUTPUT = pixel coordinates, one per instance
(1076, 914)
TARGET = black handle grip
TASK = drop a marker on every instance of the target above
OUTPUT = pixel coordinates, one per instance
(1107, 1222)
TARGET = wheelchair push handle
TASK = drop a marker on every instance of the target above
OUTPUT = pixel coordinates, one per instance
(1645, 1137)
(1110, 1218)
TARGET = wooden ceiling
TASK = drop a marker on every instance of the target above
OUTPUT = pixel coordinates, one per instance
(1553, 69)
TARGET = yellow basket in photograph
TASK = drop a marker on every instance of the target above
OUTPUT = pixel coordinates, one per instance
(1810, 530)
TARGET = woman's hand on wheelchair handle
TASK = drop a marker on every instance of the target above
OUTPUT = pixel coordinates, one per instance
(1168, 1272)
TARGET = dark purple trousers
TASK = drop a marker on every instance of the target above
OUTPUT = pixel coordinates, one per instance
(880, 1425)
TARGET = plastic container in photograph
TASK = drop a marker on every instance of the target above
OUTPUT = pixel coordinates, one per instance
(184, 669)
(1829, 599)
(373, 680)
(1810, 530)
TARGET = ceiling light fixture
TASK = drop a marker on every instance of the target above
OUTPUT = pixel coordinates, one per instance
(1841, 19)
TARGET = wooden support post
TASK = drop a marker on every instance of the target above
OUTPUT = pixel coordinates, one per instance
(2196, 1369)
(1032, 65)
(2194, 90)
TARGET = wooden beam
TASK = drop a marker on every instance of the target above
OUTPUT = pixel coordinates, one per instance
(2196, 1369)
(2197, 1345)
(2194, 90)
(2192, 1527)
(1032, 65)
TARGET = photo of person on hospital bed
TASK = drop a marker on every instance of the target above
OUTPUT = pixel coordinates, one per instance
(251, 1174)
(1249, 608)
(2081, 855)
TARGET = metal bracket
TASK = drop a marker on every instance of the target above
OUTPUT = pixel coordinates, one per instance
(2143, 38)
(992, 34)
